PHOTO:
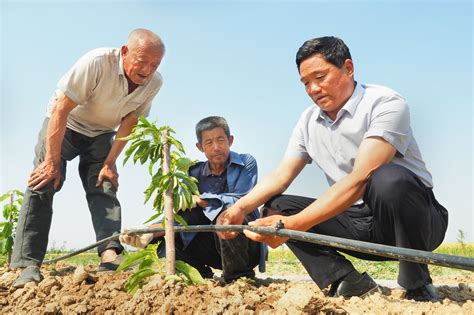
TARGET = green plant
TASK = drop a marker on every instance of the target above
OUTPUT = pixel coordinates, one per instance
(150, 264)
(149, 144)
(147, 147)
(11, 210)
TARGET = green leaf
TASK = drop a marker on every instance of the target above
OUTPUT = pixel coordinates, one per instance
(184, 163)
(176, 199)
(5, 196)
(136, 280)
(131, 259)
(188, 197)
(189, 272)
(146, 263)
(8, 245)
(7, 210)
(131, 149)
(14, 211)
(153, 217)
(7, 230)
(149, 191)
(191, 185)
(158, 202)
(142, 147)
(180, 220)
(145, 155)
(166, 183)
(189, 181)
(157, 152)
(150, 167)
(19, 193)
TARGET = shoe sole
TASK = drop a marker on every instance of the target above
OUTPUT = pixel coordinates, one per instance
(371, 291)
(23, 283)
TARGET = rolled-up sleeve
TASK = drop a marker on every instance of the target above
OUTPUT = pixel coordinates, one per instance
(80, 81)
(297, 144)
(390, 120)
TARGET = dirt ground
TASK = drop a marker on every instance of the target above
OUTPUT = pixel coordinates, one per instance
(77, 290)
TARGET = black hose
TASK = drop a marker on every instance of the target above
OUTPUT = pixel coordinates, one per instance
(397, 253)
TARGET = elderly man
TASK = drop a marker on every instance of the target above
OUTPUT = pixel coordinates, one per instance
(381, 191)
(106, 88)
(225, 177)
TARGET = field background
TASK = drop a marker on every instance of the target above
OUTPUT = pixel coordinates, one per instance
(281, 262)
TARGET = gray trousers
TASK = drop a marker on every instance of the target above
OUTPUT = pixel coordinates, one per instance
(36, 212)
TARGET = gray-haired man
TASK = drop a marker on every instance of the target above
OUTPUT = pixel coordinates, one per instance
(106, 88)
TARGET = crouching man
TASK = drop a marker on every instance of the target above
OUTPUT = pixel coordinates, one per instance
(223, 179)
(381, 191)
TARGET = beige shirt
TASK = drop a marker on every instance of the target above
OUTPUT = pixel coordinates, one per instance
(97, 83)
(372, 111)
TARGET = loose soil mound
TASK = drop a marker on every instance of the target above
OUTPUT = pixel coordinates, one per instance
(76, 290)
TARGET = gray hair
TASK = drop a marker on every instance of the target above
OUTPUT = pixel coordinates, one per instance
(144, 37)
(210, 123)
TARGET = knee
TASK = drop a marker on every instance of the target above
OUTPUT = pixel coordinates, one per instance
(287, 204)
(389, 182)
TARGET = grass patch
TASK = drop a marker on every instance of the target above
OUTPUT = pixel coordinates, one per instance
(81, 259)
(283, 261)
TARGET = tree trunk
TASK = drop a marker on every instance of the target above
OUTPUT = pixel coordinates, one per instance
(169, 217)
(9, 255)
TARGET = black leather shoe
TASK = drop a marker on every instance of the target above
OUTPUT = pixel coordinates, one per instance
(425, 293)
(29, 274)
(250, 274)
(354, 284)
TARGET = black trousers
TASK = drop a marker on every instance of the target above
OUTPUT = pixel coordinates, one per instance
(236, 257)
(398, 210)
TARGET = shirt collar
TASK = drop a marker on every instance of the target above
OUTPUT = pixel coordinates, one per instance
(349, 107)
(234, 158)
(121, 70)
(353, 101)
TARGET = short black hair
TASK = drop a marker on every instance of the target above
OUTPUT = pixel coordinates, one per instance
(210, 123)
(331, 48)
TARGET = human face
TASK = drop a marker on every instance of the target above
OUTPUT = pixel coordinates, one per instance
(141, 62)
(216, 146)
(328, 86)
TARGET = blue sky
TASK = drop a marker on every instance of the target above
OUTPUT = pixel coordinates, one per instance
(236, 60)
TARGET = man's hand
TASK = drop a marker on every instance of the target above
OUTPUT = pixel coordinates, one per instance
(44, 173)
(137, 240)
(271, 240)
(108, 171)
(197, 201)
(231, 216)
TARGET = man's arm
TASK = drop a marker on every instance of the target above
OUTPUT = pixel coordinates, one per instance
(50, 168)
(372, 153)
(109, 169)
(273, 184)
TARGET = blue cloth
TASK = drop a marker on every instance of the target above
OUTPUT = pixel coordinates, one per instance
(241, 177)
